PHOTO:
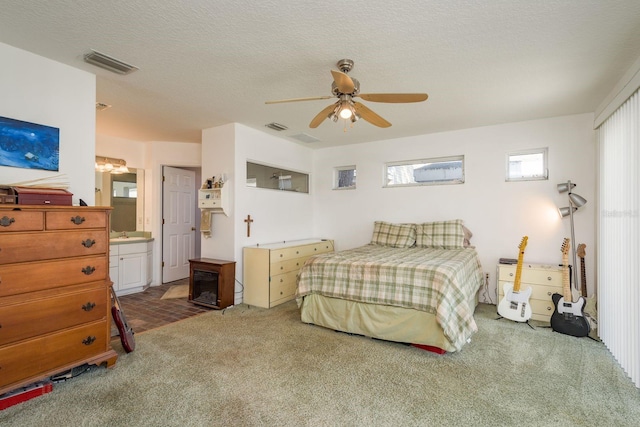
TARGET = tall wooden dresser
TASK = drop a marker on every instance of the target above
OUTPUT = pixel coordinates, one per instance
(54, 291)
(269, 271)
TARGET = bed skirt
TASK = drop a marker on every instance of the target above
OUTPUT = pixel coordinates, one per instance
(383, 322)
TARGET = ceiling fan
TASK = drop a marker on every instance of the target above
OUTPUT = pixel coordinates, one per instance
(346, 89)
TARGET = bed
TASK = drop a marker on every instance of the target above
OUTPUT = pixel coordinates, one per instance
(414, 283)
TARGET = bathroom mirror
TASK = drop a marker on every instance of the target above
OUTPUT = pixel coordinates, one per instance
(276, 178)
(123, 192)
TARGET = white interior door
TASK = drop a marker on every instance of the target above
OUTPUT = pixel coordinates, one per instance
(178, 222)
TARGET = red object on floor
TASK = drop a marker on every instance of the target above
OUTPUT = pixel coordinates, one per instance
(25, 393)
(430, 348)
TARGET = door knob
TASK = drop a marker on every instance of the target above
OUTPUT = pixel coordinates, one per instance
(193, 229)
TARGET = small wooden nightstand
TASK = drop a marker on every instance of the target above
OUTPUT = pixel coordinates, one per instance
(544, 280)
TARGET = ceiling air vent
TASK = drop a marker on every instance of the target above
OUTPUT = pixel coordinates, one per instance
(101, 107)
(276, 126)
(108, 63)
(304, 137)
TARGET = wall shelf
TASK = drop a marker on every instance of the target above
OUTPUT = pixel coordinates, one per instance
(214, 199)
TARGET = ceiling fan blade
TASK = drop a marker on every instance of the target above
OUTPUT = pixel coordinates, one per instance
(299, 99)
(319, 118)
(394, 97)
(370, 116)
(343, 82)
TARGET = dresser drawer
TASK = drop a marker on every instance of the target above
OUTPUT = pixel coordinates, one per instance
(301, 251)
(74, 220)
(46, 354)
(287, 266)
(283, 286)
(317, 248)
(22, 247)
(38, 276)
(21, 221)
(538, 276)
(542, 309)
(285, 254)
(540, 292)
(42, 316)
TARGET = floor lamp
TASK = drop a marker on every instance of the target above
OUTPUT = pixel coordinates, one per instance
(575, 201)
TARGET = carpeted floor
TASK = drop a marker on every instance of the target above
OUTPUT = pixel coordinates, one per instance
(258, 367)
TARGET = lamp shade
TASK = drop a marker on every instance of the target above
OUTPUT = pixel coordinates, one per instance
(565, 211)
(577, 199)
(565, 186)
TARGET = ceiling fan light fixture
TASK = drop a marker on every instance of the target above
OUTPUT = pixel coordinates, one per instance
(345, 112)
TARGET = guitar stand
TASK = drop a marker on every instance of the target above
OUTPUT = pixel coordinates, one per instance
(527, 322)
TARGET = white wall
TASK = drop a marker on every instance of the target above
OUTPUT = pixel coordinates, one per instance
(133, 152)
(277, 215)
(38, 90)
(499, 213)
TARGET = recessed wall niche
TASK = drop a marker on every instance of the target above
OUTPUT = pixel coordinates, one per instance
(276, 178)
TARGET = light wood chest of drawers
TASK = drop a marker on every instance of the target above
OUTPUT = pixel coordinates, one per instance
(544, 281)
(269, 271)
(54, 291)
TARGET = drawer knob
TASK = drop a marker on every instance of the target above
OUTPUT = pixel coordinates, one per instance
(549, 308)
(88, 270)
(281, 280)
(89, 340)
(88, 243)
(281, 267)
(549, 278)
(77, 220)
(5, 221)
(315, 249)
(549, 293)
(88, 306)
(511, 274)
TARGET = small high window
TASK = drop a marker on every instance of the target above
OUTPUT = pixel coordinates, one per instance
(527, 165)
(443, 170)
(344, 177)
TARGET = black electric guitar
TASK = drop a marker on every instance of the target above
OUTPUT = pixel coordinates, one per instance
(125, 331)
(568, 317)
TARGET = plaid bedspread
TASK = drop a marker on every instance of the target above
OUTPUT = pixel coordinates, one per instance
(438, 281)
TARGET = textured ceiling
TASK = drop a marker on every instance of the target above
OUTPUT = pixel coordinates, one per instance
(205, 63)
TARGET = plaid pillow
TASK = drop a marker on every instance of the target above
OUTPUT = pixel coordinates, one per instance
(393, 235)
(440, 234)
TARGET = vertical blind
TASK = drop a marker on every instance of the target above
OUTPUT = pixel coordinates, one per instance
(619, 236)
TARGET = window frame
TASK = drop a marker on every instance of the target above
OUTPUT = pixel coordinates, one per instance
(336, 177)
(545, 165)
(432, 160)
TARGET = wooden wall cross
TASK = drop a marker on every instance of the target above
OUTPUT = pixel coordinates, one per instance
(248, 221)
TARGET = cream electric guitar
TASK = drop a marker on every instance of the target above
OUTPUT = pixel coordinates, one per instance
(515, 303)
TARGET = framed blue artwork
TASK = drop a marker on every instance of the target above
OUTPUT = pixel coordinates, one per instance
(28, 145)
